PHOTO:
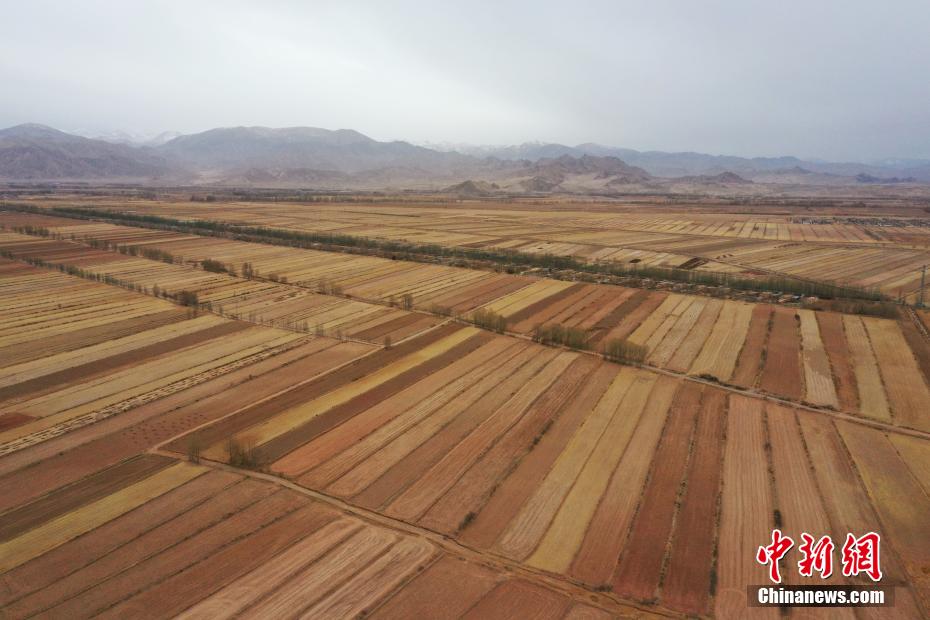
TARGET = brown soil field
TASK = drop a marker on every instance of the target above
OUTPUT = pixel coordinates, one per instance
(691, 346)
(751, 357)
(471, 491)
(357, 437)
(173, 595)
(85, 372)
(782, 372)
(912, 451)
(18, 354)
(631, 320)
(637, 575)
(531, 523)
(746, 511)
(544, 310)
(246, 591)
(222, 545)
(44, 571)
(834, 340)
(236, 498)
(271, 450)
(516, 598)
(898, 498)
(417, 498)
(100, 445)
(466, 584)
(105, 593)
(686, 585)
(798, 497)
(468, 415)
(312, 388)
(515, 490)
(818, 377)
(27, 516)
(918, 345)
(596, 559)
(12, 420)
(848, 506)
(568, 529)
(904, 383)
(615, 316)
(454, 410)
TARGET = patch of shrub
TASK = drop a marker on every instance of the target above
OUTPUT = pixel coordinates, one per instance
(156, 254)
(242, 455)
(620, 350)
(488, 319)
(186, 298)
(213, 266)
(572, 337)
(440, 310)
(194, 448)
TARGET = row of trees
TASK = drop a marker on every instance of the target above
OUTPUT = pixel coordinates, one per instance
(503, 258)
(615, 349)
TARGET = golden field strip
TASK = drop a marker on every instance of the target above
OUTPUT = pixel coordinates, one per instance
(183, 463)
(885, 256)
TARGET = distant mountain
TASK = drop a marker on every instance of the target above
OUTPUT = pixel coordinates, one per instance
(343, 150)
(37, 152)
(690, 164)
(471, 188)
(347, 159)
(554, 171)
(868, 178)
(124, 137)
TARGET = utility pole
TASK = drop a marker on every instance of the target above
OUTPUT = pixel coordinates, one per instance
(923, 278)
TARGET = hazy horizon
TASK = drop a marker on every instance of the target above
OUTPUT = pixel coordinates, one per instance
(839, 80)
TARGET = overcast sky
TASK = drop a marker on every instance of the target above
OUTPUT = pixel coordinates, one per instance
(838, 79)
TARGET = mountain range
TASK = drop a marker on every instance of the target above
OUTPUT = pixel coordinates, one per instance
(346, 159)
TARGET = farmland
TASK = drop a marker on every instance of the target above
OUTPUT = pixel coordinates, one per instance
(849, 249)
(576, 467)
(329, 434)
(92, 350)
(183, 540)
(265, 302)
(797, 355)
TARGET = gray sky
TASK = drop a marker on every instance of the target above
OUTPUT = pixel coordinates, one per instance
(838, 79)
